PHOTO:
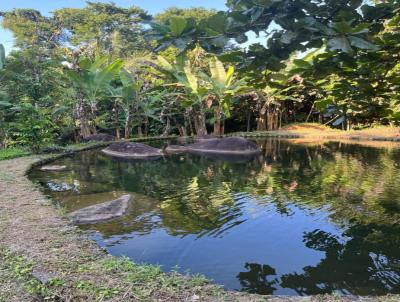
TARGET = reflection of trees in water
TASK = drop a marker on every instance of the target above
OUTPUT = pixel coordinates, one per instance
(365, 262)
(255, 279)
(357, 183)
(197, 195)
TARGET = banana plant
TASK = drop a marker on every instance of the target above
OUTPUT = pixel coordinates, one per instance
(129, 96)
(222, 86)
(91, 80)
(181, 76)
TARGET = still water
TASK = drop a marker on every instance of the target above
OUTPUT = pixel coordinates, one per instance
(301, 218)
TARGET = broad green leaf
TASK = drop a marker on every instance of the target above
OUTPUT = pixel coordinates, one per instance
(339, 43)
(164, 64)
(361, 43)
(302, 63)
(229, 75)
(217, 71)
(191, 78)
(343, 27)
(217, 22)
(126, 77)
(177, 25)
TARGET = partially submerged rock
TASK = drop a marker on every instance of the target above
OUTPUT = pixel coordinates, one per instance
(226, 145)
(172, 149)
(53, 168)
(202, 138)
(101, 137)
(131, 150)
(102, 212)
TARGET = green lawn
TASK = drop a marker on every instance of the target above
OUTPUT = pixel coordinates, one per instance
(13, 153)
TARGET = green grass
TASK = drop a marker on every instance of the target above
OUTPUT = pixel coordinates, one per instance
(13, 153)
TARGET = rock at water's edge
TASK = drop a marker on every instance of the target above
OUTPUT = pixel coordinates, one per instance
(172, 149)
(202, 138)
(226, 145)
(102, 212)
(131, 150)
(53, 168)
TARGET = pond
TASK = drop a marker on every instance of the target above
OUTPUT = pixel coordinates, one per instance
(299, 219)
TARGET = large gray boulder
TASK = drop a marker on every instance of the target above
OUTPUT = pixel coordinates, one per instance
(226, 145)
(102, 212)
(131, 150)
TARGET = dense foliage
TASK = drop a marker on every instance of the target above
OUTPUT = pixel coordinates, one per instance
(104, 68)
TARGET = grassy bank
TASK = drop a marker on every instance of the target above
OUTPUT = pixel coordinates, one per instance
(13, 153)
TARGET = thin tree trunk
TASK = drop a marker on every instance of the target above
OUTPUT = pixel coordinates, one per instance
(146, 126)
(248, 121)
(127, 127)
(139, 128)
(116, 122)
(217, 122)
(311, 110)
(167, 127)
(200, 123)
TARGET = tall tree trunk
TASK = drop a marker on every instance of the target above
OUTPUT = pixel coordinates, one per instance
(127, 126)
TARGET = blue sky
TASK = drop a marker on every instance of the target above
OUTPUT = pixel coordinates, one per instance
(47, 6)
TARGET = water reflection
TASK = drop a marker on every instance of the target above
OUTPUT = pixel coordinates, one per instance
(255, 279)
(366, 263)
(296, 219)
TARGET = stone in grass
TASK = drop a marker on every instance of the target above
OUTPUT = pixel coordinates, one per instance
(226, 145)
(53, 168)
(43, 276)
(102, 212)
(131, 150)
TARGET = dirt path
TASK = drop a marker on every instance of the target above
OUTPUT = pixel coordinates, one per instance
(44, 258)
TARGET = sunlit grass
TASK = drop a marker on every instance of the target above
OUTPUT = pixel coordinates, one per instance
(13, 153)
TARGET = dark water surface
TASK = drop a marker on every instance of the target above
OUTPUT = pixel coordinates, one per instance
(297, 220)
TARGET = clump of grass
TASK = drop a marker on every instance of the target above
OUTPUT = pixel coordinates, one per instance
(19, 269)
(146, 279)
(13, 153)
